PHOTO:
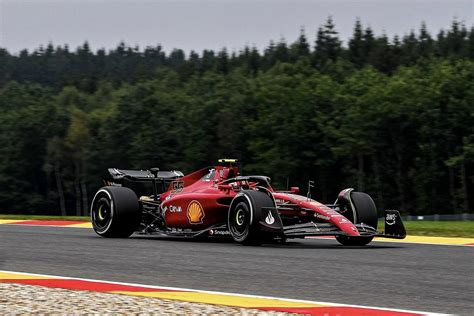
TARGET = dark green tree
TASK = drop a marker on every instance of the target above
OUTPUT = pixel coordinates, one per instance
(328, 45)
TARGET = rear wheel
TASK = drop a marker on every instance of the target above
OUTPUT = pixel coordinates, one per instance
(115, 212)
(363, 211)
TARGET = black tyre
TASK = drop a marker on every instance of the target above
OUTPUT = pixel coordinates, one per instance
(115, 212)
(363, 211)
(244, 215)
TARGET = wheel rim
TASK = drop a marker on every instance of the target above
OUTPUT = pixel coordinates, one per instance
(239, 221)
(239, 217)
(102, 213)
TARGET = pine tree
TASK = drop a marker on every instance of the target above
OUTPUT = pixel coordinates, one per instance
(441, 48)
(396, 51)
(425, 42)
(328, 45)
(369, 41)
(208, 60)
(455, 39)
(282, 53)
(470, 46)
(381, 55)
(254, 61)
(356, 46)
(409, 48)
(222, 64)
(300, 48)
(5, 73)
(244, 55)
(190, 67)
(176, 58)
(194, 57)
(269, 55)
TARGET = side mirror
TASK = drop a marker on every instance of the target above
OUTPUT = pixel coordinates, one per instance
(295, 190)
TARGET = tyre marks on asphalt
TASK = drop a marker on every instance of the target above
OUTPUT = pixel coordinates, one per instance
(196, 296)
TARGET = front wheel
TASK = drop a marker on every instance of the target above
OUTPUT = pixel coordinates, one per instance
(362, 210)
(115, 212)
(244, 214)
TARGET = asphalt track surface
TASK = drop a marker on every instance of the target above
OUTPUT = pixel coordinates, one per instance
(432, 278)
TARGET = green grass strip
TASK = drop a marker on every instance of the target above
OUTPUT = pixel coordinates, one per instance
(438, 228)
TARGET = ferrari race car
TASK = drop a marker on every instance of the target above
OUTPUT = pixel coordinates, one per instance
(217, 201)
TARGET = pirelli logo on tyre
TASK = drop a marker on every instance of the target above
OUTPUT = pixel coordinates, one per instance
(195, 212)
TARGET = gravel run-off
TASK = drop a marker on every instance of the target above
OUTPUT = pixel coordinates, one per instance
(16, 299)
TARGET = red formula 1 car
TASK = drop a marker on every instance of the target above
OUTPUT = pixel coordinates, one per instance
(217, 201)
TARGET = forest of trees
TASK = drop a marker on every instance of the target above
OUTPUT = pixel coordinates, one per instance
(393, 117)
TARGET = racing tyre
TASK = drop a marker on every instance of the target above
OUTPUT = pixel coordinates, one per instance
(115, 212)
(363, 211)
(244, 214)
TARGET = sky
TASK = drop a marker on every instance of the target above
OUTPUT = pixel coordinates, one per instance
(210, 24)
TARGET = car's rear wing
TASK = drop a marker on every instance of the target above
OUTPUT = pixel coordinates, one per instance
(119, 174)
(142, 182)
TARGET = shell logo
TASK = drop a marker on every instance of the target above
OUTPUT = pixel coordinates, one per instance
(195, 213)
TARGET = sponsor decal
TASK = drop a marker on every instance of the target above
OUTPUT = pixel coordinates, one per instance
(343, 221)
(391, 219)
(214, 232)
(269, 219)
(321, 216)
(180, 230)
(195, 212)
(178, 186)
(330, 211)
(171, 208)
(280, 201)
(175, 209)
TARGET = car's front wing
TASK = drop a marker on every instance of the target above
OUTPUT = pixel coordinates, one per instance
(394, 228)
